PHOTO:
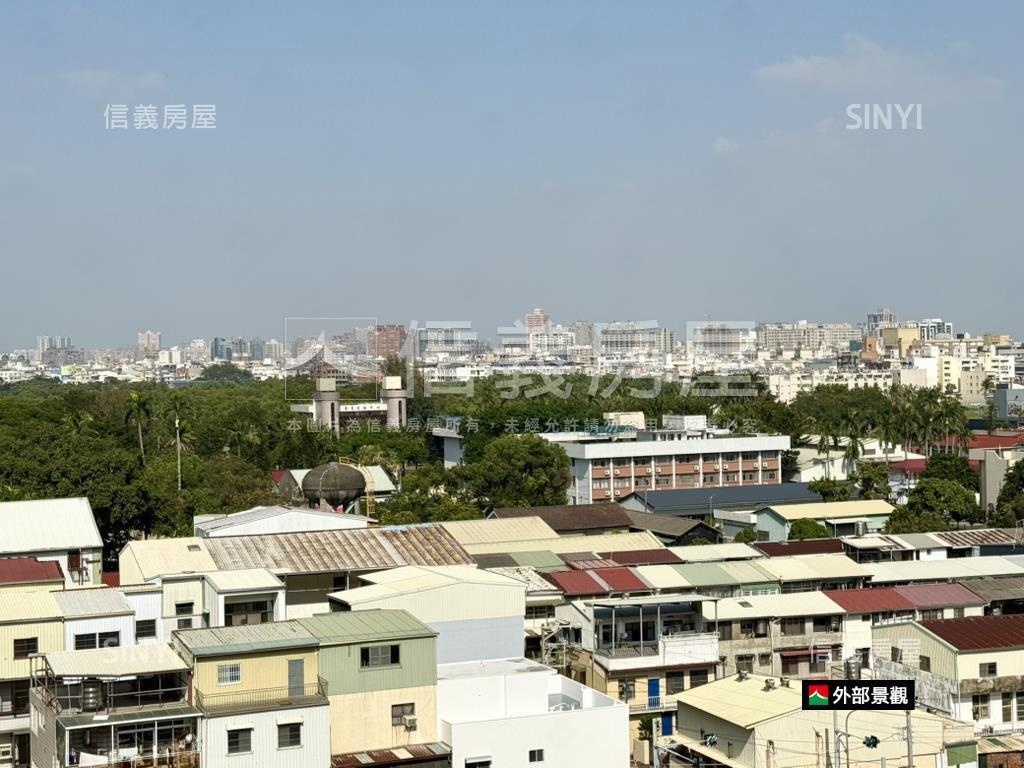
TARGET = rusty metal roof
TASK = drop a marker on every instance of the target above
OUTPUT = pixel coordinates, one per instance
(980, 633)
(974, 538)
(939, 595)
(870, 600)
(572, 517)
(991, 590)
(435, 753)
(340, 550)
(24, 570)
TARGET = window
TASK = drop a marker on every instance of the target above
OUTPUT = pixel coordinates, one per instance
(987, 670)
(931, 615)
(229, 674)
(184, 609)
(958, 613)
(378, 656)
(401, 711)
(480, 762)
(26, 647)
(109, 640)
(627, 688)
(745, 663)
(925, 663)
(289, 735)
(754, 628)
(536, 755)
(1020, 705)
(790, 666)
(74, 560)
(1007, 707)
(725, 631)
(979, 706)
(145, 628)
(85, 642)
(793, 626)
(540, 611)
(339, 583)
(826, 623)
(698, 677)
(240, 741)
(673, 682)
(764, 659)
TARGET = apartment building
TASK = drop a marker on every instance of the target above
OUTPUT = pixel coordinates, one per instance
(612, 465)
(804, 336)
(794, 635)
(260, 693)
(60, 530)
(970, 669)
(118, 705)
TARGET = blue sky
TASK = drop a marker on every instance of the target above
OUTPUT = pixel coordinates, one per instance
(417, 161)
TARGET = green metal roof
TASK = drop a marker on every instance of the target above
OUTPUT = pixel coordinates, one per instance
(248, 638)
(349, 627)
(747, 572)
(705, 574)
(541, 560)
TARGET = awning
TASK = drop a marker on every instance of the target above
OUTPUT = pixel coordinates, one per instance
(793, 653)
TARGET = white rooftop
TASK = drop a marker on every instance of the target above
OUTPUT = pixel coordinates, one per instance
(47, 525)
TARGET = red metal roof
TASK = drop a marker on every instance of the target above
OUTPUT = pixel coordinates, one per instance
(111, 578)
(984, 441)
(939, 595)
(916, 466)
(435, 754)
(23, 570)
(621, 580)
(276, 475)
(576, 583)
(870, 600)
(642, 557)
(980, 633)
(806, 547)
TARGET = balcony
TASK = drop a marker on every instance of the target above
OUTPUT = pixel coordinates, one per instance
(131, 758)
(284, 697)
(669, 650)
(653, 704)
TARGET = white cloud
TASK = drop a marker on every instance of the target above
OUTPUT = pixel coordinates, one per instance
(724, 146)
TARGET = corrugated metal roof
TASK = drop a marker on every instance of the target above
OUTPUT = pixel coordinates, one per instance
(993, 590)
(664, 525)
(752, 496)
(418, 578)
(870, 600)
(407, 755)
(243, 579)
(247, 638)
(705, 553)
(642, 557)
(705, 574)
(926, 596)
(742, 702)
(577, 583)
(101, 601)
(47, 525)
(533, 580)
(26, 570)
(123, 661)
(769, 606)
(835, 510)
(980, 633)
(347, 627)
(620, 542)
(161, 557)
(572, 517)
(542, 560)
(319, 520)
(812, 568)
(942, 570)
(805, 547)
(663, 577)
(745, 572)
(473, 532)
(621, 580)
(29, 606)
(974, 538)
(345, 550)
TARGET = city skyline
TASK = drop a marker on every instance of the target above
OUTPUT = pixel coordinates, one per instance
(388, 161)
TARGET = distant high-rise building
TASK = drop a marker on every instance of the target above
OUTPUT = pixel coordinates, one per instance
(388, 340)
(583, 332)
(220, 349)
(883, 318)
(632, 338)
(148, 343)
(198, 350)
(44, 343)
(806, 336)
(274, 350)
(935, 328)
(537, 321)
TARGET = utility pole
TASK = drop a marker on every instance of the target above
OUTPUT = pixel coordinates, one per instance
(836, 761)
(177, 439)
(655, 727)
(910, 740)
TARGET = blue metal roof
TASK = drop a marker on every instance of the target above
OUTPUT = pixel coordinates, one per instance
(683, 500)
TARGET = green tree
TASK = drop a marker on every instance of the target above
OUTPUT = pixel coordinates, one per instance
(805, 528)
(905, 520)
(225, 373)
(872, 480)
(138, 413)
(945, 497)
(949, 466)
(746, 536)
(1013, 485)
(832, 490)
(520, 471)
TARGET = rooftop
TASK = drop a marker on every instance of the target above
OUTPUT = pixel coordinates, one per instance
(328, 520)
(942, 570)
(703, 553)
(160, 557)
(27, 570)
(248, 638)
(980, 633)
(989, 590)
(805, 547)
(123, 661)
(348, 627)
(418, 578)
(48, 525)
(567, 518)
(835, 510)
(469, 669)
(774, 606)
(812, 568)
(663, 525)
(99, 601)
(743, 496)
(641, 557)
(744, 703)
(29, 606)
(469, 532)
(620, 542)
(411, 753)
(243, 580)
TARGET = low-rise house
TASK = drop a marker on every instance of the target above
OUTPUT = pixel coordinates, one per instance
(970, 669)
(867, 608)
(261, 520)
(750, 721)
(892, 574)
(519, 712)
(813, 573)
(1002, 596)
(109, 706)
(29, 574)
(793, 635)
(840, 518)
(673, 531)
(260, 693)
(573, 519)
(379, 672)
(95, 618)
(701, 503)
(60, 530)
(477, 614)
(30, 624)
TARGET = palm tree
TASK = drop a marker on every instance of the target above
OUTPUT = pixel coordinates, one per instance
(138, 412)
(887, 432)
(855, 429)
(79, 422)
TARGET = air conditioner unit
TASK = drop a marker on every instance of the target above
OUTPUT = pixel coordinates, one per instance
(6, 752)
(409, 721)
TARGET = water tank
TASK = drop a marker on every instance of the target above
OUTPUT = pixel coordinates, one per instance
(860, 528)
(92, 695)
(851, 668)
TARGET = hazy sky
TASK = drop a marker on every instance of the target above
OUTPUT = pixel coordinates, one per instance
(450, 160)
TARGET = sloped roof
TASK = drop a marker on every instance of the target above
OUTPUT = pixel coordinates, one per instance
(870, 600)
(642, 557)
(812, 568)
(247, 638)
(805, 547)
(662, 525)
(29, 606)
(980, 633)
(975, 537)
(747, 496)
(619, 542)
(566, 518)
(315, 516)
(161, 557)
(123, 661)
(703, 553)
(577, 583)
(926, 596)
(990, 590)
(47, 525)
(341, 550)
(485, 532)
(942, 570)
(766, 606)
(836, 510)
(742, 702)
(347, 627)
(26, 570)
(100, 601)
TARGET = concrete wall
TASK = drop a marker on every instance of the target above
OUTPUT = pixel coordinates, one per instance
(363, 720)
(469, 640)
(315, 751)
(268, 669)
